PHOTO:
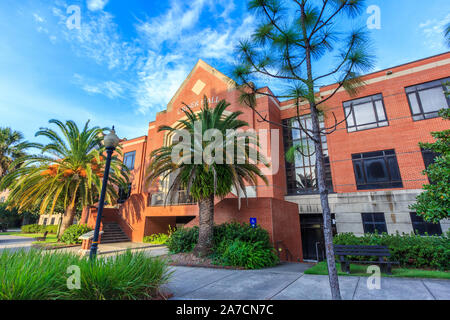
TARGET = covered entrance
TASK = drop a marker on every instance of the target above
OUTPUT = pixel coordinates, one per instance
(312, 236)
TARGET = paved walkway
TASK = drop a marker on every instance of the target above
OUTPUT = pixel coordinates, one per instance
(288, 282)
(14, 243)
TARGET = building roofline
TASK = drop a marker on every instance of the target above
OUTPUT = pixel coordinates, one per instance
(393, 67)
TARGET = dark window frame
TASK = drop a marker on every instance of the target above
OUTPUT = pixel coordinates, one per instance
(291, 168)
(418, 223)
(351, 104)
(124, 195)
(360, 158)
(415, 89)
(425, 156)
(369, 222)
(130, 154)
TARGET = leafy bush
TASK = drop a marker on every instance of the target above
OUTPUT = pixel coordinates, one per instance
(32, 228)
(160, 238)
(36, 228)
(250, 255)
(235, 244)
(52, 229)
(73, 232)
(183, 240)
(36, 275)
(413, 251)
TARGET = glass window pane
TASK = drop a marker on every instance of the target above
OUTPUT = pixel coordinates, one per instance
(350, 122)
(393, 169)
(376, 170)
(433, 99)
(414, 103)
(364, 113)
(380, 110)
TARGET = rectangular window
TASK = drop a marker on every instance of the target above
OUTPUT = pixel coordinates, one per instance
(428, 159)
(425, 100)
(374, 222)
(365, 113)
(301, 173)
(124, 193)
(128, 159)
(421, 227)
(377, 170)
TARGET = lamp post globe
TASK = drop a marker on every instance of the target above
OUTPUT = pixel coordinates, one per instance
(111, 141)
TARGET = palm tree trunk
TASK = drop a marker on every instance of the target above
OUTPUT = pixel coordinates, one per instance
(67, 221)
(206, 227)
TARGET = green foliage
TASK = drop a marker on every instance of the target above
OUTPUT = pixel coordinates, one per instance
(36, 275)
(36, 228)
(235, 244)
(13, 218)
(160, 238)
(183, 240)
(250, 255)
(203, 180)
(12, 147)
(70, 177)
(411, 251)
(433, 204)
(73, 232)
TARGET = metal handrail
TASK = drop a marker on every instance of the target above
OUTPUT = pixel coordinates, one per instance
(158, 199)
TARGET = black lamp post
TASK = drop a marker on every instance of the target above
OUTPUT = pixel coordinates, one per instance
(111, 141)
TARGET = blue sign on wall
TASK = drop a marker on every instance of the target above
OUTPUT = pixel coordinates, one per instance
(253, 222)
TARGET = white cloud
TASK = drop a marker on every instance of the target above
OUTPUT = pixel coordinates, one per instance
(154, 64)
(110, 89)
(96, 5)
(433, 29)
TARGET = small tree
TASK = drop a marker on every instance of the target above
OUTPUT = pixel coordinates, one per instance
(67, 173)
(433, 204)
(202, 180)
(288, 46)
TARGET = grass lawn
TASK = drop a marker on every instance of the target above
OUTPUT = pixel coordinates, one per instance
(361, 271)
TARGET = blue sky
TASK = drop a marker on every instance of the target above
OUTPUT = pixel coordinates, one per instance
(129, 57)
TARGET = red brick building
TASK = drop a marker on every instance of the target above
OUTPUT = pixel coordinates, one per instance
(374, 160)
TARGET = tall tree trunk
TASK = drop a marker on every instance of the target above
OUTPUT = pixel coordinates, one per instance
(86, 212)
(320, 168)
(327, 228)
(206, 227)
(67, 221)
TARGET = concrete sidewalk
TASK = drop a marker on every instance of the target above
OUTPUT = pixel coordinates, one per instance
(288, 282)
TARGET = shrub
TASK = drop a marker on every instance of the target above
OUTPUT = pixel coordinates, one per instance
(52, 229)
(235, 244)
(250, 255)
(73, 232)
(413, 251)
(183, 240)
(129, 276)
(32, 228)
(36, 275)
(160, 238)
(36, 228)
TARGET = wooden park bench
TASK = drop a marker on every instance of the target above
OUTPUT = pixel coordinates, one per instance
(381, 252)
(42, 238)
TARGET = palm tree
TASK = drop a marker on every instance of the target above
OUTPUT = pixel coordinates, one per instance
(11, 148)
(68, 171)
(203, 180)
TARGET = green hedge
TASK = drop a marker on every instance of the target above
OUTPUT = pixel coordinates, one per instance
(36, 228)
(235, 244)
(160, 238)
(73, 232)
(412, 251)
